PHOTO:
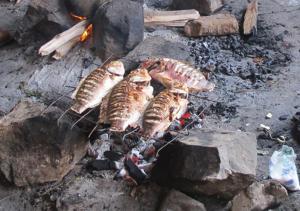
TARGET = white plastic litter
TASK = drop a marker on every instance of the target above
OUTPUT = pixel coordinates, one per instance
(283, 169)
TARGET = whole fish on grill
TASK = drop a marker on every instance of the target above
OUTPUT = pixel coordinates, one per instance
(168, 71)
(168, 105)
(96, 85)
(127, 101)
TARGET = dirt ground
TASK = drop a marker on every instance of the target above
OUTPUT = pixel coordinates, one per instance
(240, 101)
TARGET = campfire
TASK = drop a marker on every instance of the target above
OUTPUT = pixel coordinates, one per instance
(151, 105)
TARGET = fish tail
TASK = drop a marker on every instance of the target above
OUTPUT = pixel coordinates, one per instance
(78, 108)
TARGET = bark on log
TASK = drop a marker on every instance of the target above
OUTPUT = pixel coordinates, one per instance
(250, 18)
(220, 24)
(63, 38)
(176, 18)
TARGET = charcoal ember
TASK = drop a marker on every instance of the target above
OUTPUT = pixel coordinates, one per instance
(209, 162)
(155, 47)
(134, 171)
(113, 156)
(34, 148)
(118, 27)
(296, 127)
(99, 165)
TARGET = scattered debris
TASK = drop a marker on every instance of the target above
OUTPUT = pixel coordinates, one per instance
(176, 18)
(283, 169)
(260, 196)
(264, 127)
(262, 152)
(250, 18)
(269, 116)
(283, 117)
(4, 37)
(220, 24)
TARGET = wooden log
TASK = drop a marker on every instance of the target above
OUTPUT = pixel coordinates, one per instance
(64, 49)
(250, 18)
(176, 18)
(220, 24)
(63, 38)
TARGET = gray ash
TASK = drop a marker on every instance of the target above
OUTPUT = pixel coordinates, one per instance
(250, 58)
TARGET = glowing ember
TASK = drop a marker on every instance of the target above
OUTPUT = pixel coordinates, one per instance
(87, 33)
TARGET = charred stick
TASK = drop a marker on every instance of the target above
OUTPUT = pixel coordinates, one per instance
(63, 38)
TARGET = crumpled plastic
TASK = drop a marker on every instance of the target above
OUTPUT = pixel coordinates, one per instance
(283, 169)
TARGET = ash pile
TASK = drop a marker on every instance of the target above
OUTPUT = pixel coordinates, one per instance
(114, 100)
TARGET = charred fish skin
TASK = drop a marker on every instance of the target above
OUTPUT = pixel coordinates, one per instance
(128, 100)
(96, 85)
(168, 105)
(168, 71)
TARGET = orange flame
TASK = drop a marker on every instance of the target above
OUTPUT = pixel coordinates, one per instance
(87, 33)
(77, 17)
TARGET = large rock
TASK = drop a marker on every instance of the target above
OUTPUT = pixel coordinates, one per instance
(47, 17)
(107, 194)
(34, 149)
(260, 196)
(177, 201)
(205, 7)
(209, 162)
(118, 27)
(156, 47)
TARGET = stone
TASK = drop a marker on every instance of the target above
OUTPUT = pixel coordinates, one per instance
(83, 8)
(47, 17)
(260, 196)
(177, 201)
(209, 162)
(121, 28)
(155, 47)
(107, 194)
(158, 3)
(205, 7)
(34, 148)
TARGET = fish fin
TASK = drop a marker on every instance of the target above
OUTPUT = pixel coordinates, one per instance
(78, 108)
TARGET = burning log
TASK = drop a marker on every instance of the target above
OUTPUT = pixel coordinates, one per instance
(176, 18)
(63, 38)
(250, 18)
(65, 48)
(220, 24)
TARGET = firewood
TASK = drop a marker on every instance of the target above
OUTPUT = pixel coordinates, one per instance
(170, 16)
(65, 48)
(63, 38)
(220, 24)
(250, 18)
(180, 23)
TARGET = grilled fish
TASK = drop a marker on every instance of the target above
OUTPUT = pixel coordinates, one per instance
(96, 85)
(167, 71)
(128, 100)
(168, 105)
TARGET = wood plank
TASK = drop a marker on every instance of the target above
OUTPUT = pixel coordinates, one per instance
(250, 18)
(220, 24)
(170, 18)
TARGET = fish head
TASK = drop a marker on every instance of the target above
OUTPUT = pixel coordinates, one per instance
(116, 68)
(179, 90)
(139, 76)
